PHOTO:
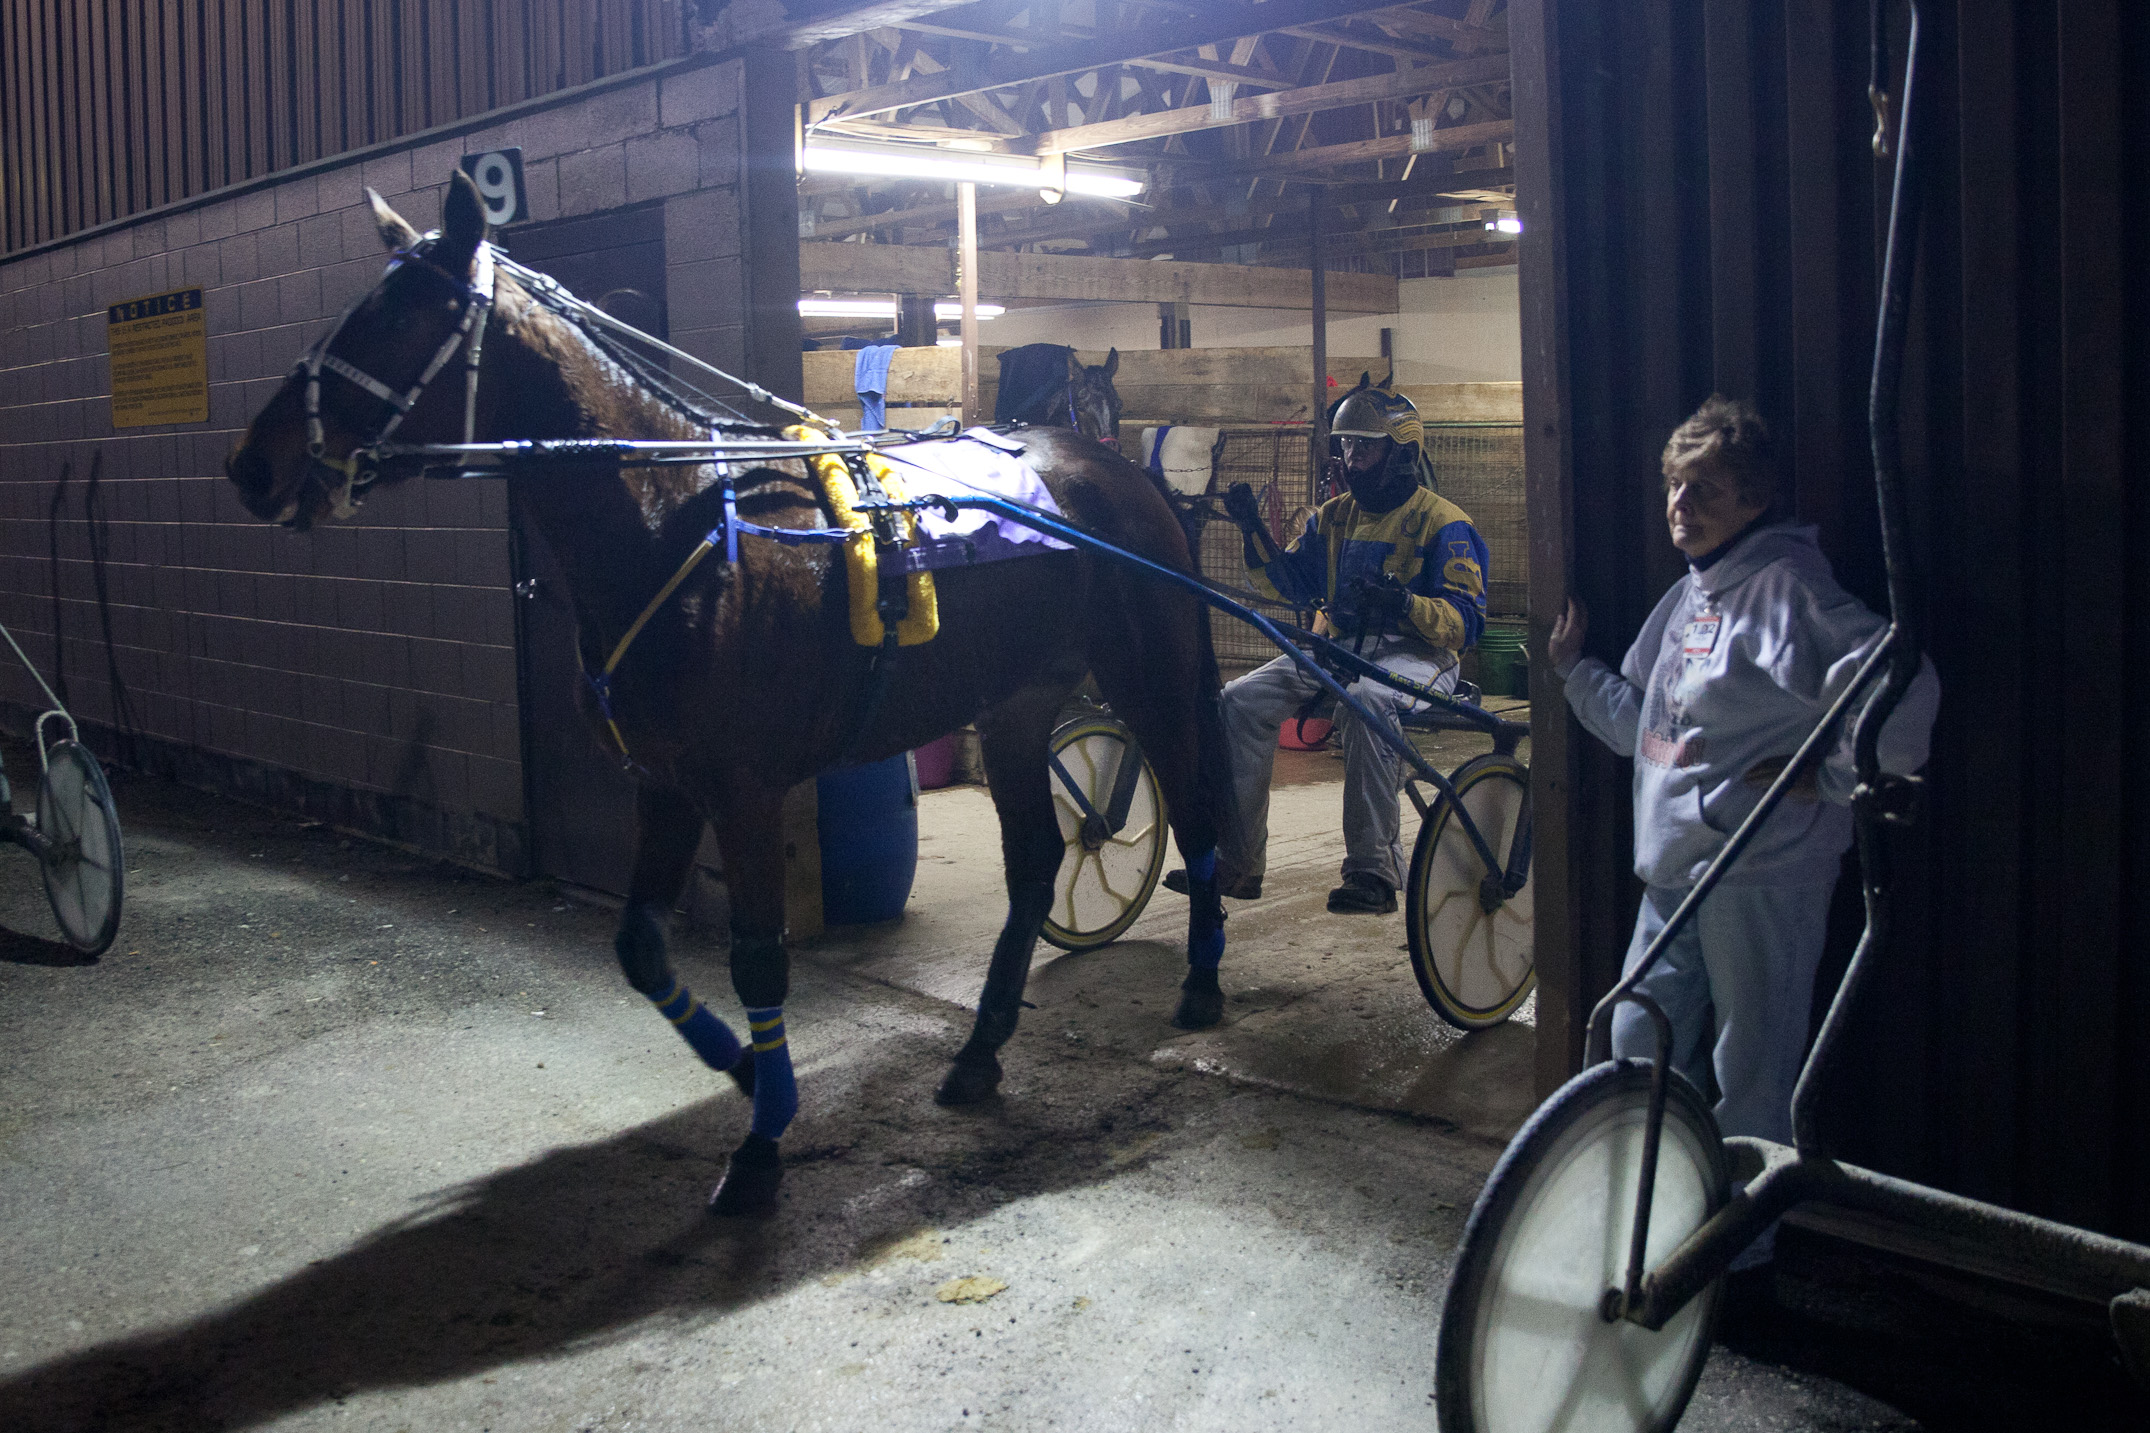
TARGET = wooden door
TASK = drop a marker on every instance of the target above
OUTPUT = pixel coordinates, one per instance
(581, 801)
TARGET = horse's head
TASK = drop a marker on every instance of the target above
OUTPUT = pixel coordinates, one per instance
(303, 456)
(1092, 400)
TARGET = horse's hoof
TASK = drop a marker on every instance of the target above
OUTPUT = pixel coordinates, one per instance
(742, 1073)
(748, 1189)
(968, 1082)
(1200, 1007)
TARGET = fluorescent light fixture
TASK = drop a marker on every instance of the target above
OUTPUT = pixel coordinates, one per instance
(890, 161)
(1506, 224)
(847, 308)
(946, 309)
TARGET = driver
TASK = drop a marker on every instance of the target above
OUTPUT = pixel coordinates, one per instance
(1400, 573)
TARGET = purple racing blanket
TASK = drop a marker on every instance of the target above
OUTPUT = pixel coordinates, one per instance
(978, 462)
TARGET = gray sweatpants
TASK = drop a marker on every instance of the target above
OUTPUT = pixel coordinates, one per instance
(1750, 954)
(1257, 703)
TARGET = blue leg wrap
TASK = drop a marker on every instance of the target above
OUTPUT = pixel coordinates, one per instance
(711, 1038)
(776, 1094)
(1205, 913)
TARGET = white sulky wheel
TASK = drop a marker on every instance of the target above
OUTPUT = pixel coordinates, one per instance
(1105, 879)
(1524, 1346)
(1475, 967)
(85, 870)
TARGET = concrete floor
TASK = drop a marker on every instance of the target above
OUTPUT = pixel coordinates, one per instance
(336, 1137)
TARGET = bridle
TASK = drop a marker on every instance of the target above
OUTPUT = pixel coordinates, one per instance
(1108, 438)
(342, 479)
(1067, 389)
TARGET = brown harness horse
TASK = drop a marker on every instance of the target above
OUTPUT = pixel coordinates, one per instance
(1062, 391)
(745, 681)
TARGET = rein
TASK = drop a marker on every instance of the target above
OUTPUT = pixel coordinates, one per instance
(359, 468)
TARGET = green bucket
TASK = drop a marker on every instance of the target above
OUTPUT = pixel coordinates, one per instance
(1504, 659)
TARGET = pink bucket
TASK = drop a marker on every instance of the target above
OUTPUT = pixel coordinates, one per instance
(936, 763)
(1308, 735)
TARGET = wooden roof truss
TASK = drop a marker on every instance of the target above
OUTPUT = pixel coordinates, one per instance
(1401, 112)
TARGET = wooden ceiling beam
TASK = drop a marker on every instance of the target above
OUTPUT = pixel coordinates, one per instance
(1212, 70)
(1460, 188)
(1394, 146)
(1459, 34)
(799, 25)
(1215, 24)
(1018, 38)
(1374, 43)
(1294, 237)
(897, 268)
(929, 215)
(1252, 109)
(1342, 196)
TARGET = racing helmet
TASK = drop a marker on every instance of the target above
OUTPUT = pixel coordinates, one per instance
(1377, 411)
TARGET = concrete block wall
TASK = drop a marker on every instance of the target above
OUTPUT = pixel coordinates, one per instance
(366, 672)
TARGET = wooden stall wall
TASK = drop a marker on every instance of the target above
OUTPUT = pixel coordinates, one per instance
(110, 107)
(1700, 209)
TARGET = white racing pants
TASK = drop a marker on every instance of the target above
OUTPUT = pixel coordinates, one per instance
(1256, 704)
(1750, 955)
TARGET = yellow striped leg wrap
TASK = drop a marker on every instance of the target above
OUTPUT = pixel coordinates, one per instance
(761, 1028)
(709, 1037)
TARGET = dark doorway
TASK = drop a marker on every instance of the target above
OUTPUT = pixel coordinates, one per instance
(581, 802)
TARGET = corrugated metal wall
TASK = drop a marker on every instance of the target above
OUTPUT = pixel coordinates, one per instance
(1700, 210)
(110, 107)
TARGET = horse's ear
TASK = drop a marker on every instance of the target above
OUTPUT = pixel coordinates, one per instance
(1112, 362)
(1074, 368)
(1366, 380)
(396, 232)
(1388, 382)
(462, 222)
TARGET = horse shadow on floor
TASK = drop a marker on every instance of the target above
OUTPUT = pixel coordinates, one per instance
(579, 1246)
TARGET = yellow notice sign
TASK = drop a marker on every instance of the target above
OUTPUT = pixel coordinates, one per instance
(160, 359)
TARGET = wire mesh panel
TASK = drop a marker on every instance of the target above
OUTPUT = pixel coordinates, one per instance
(1270, 458)
(1480, 469)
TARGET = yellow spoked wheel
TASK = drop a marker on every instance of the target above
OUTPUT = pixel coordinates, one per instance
(1108, 873)
(1475, 966)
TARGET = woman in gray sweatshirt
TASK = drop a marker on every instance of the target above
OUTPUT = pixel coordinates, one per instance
(1729, 674)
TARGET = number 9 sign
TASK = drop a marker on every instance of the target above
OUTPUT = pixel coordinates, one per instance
(498, 173)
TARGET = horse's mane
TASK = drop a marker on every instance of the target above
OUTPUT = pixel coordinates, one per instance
(617, 392)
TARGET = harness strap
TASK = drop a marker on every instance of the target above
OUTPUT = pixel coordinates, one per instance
(729, 533)
(602, 681)
(401, 402)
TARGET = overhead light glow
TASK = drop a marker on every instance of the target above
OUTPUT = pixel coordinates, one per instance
(821, 307)
(847, 308)
(889, 161)
(1506, 224)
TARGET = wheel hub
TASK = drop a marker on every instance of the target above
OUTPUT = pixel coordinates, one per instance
(1492, 895)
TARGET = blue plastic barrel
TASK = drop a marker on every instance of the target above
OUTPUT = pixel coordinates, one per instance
(869, 840)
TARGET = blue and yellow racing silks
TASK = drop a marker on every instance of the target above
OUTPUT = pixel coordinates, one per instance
(1426, 543)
